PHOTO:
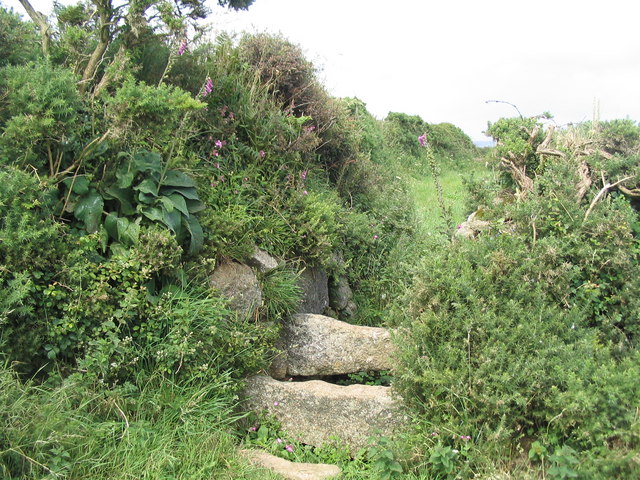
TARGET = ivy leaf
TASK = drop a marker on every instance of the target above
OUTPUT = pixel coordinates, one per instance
(78, 184)
(89, 210)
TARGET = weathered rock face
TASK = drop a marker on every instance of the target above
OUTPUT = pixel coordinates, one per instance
(315, 291)
(313, 412)
(262, 261)
(238, 282)
(340, 294)
(290, 470)
(318, 345)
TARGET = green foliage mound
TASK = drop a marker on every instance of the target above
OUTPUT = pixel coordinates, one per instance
(525, 338)
(450, 145)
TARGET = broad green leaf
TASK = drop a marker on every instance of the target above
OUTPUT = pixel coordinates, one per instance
(148, 161)
(89, 210)
(147, 186)
(187, 192)
(124, 196)
(166, 203)
(152, 213)
(179, 203)
(104, 240)
(125, 174)
(195, 206)
(174, 178)
(146, 198)
(173, 220)
(197, 236)
(111, 226)
(128, 232)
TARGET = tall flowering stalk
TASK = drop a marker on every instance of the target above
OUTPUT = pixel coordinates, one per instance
(435, 171)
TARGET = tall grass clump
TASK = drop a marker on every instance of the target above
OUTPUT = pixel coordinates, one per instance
(155, 428)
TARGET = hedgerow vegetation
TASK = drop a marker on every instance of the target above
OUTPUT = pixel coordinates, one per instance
(135, 157)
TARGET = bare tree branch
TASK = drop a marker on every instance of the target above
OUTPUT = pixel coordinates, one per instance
(635, 192)
(543, 148)
(41, 21)
(602, 193)
(519, 174)
(502, 101)
(105, 14)
(585, 180)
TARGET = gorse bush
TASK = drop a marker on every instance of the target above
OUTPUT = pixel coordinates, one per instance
(18, 40)
(40, 116)
(529, 332)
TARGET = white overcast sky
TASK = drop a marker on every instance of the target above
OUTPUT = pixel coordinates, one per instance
(443, 60)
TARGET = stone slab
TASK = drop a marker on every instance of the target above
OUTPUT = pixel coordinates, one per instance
(316, 412)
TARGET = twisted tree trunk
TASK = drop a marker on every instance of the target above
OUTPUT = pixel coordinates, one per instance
(41, 21)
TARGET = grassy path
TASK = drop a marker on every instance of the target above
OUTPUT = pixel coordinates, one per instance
(455, 195)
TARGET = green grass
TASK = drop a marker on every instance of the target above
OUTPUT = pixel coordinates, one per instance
(424, 193)
(158, 430)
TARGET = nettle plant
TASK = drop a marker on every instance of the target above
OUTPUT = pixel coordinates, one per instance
(143, 191)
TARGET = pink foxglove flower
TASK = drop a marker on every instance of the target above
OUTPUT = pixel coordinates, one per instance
(183, 47)
(208, 87)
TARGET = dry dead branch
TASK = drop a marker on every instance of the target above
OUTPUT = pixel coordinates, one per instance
(602, 193)
(41, 21)
(519, 174)
(585, 180)
(543, 148)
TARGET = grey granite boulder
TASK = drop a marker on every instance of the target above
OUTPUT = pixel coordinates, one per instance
(262, 261)
(240, 285)
(315, 290)
(316, 412)
(315, 345)
(340, 293)
(291, 470)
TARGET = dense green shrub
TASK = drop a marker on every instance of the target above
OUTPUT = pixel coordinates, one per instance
(39, 117)
(529, 332)
(18, 39)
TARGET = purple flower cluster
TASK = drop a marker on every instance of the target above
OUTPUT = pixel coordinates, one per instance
(422, 139)
(208, 87)
(183, 47)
